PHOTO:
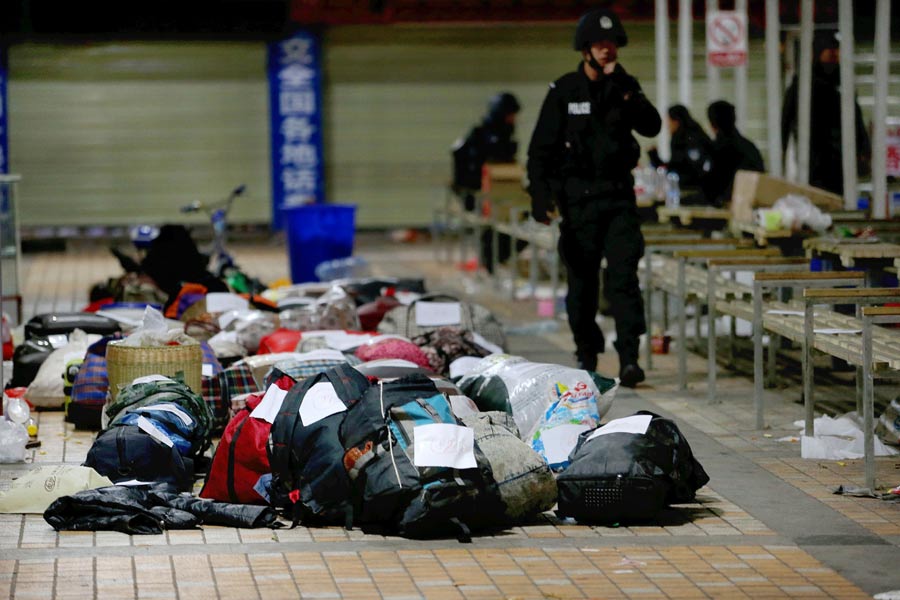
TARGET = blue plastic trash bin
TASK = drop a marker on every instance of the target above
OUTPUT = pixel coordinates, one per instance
(317, 233)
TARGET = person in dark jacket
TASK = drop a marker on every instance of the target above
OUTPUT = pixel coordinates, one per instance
(689, 148)
(730, 152)
(825, 166)
(580, 159)
(491, 141)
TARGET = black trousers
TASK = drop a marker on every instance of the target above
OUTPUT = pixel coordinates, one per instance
(588, 234)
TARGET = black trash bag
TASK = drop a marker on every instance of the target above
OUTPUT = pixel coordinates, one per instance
(629, 477)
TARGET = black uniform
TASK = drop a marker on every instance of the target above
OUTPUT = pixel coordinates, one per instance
(730, 152)
(825, 167)
(580, 157)
(690, 151)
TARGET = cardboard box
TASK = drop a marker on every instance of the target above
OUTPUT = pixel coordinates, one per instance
(757, 190)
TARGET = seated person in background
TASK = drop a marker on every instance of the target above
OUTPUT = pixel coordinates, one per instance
(730, 152)
(690, 149)
(489, 142)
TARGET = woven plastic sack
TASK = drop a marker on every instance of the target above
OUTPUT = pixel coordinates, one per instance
(532, 392)
(411, 320)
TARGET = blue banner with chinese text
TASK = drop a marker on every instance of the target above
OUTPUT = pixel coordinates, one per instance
(296, 123)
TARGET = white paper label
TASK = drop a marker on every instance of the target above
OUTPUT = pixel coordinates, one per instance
(218, 302)
(559, 442)
(170, 408)
(321, 354)
(206, 370)
(150, 379)
(633, 424)
(153, 431)
(268, 407)
(436, 314)
(319, 402)
(444, 445)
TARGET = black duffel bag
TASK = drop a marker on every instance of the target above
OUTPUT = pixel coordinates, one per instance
(629, 477)
(126, 453)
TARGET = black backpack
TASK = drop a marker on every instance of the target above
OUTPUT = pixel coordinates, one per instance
(628, 477)
(388, 489)
(308, 477)
(125, 453)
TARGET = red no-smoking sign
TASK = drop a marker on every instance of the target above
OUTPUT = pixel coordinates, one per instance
(726, 38)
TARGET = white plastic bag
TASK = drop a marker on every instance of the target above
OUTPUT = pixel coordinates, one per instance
(797, 212)
(154, 331)
(13, 438)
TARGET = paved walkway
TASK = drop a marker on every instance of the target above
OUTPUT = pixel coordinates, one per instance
(766, 526)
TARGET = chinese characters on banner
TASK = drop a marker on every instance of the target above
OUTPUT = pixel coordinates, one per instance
(296, 123)
(892, 142)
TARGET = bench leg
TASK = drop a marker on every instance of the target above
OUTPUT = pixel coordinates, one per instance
(495, 256)
(868, 405)
(698, 314)
(758, 355)
(665, 312)
(809, 401)
(514, 270)
(648, 306)
(682, 327)
(860, 392)
(711, 336)
(554, 272)
(772, 367)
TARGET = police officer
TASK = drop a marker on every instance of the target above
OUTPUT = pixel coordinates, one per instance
(730, 153)
(825, 146)
(580, 159)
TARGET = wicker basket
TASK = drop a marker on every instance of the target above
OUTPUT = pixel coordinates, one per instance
(126, 363)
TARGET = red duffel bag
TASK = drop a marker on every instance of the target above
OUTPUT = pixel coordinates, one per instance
(241, 460)
(280, 340)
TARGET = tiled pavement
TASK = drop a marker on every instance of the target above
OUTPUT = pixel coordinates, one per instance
(767, 526)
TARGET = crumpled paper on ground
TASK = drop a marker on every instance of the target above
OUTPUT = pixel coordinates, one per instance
(838, 439)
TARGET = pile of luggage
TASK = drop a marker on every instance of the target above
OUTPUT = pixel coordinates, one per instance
(363, 403)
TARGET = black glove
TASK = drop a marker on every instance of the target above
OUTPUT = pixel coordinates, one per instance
(541, 207)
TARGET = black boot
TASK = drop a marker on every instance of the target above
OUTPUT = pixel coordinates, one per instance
(630, 374)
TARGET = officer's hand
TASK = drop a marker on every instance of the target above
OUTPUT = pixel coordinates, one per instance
(609, 67)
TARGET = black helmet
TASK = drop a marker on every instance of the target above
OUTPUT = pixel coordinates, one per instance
(503, 104)
(599, 25)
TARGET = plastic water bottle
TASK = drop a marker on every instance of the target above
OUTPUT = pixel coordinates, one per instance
(673, 191)
(661, 184)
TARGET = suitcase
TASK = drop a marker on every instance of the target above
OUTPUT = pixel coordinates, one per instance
(27, 360)
(56, 327)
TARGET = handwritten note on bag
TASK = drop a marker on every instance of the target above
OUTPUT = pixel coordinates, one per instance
(437, 314)
(444, 445)
(632, 424)
(268, 407)
(559, 441)
(319, 402)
